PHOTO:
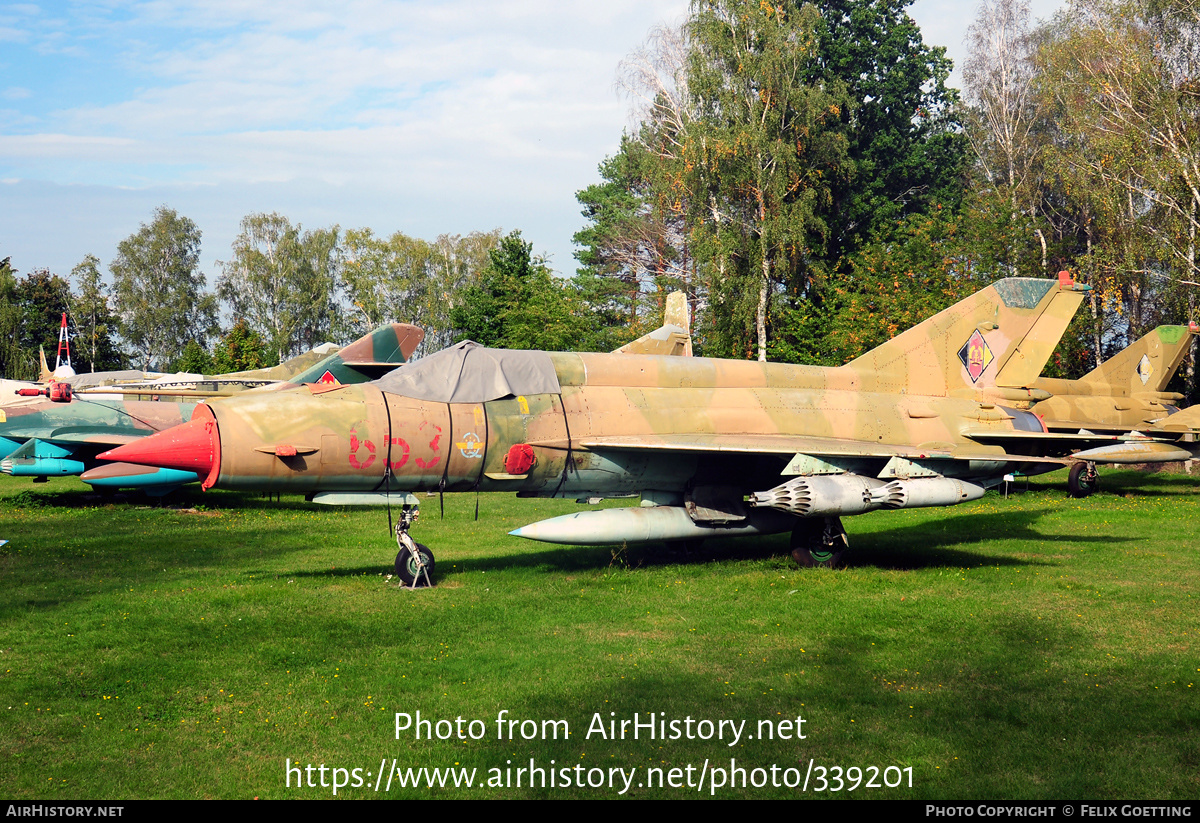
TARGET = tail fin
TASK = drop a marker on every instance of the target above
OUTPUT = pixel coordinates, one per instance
(285, 370)
(370, 356)
(367, 358)
(673, 337)
(998, 338)
(1145, 366)
(44, 375)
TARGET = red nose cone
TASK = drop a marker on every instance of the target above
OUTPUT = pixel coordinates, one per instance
(193, 446)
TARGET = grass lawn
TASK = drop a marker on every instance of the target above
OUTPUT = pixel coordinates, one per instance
(1034, 647)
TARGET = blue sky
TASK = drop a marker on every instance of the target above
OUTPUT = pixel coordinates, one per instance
(422, 117)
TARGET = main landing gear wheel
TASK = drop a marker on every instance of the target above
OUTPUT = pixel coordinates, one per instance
(1083, 480)
(819, 541)
(415, 570)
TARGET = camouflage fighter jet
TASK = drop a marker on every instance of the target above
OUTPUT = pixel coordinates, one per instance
(137, 382)
(58, 433)
(1119, 412)
(713, 447)
(1124, 394)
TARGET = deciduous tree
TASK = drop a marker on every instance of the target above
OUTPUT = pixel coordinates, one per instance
(764, 150)
(93, 319)
(904, 136)
(158, 289)
(999, 82)
(634, 248)
(518, 304)
(239, 349)
(1122, 77)
(408, 280)
(13, 358)
(282, 281)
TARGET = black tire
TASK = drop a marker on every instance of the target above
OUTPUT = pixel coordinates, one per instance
(1082, 480)
(686, 547)
(819, 542)
(407, 569)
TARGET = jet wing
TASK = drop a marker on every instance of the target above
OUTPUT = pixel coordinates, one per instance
(83, 435)
(783, 444)
(1128, 447)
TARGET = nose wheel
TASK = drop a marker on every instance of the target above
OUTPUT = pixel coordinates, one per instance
(414, 561)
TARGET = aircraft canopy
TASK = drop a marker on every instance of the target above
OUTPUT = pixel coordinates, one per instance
(470, 373)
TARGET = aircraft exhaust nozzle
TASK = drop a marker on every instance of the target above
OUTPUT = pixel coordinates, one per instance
(923, 492)
(825, 495)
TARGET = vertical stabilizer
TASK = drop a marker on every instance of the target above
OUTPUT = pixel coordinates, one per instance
(1144, 366)
(44, 373)
(367, 358)
(672, 338)
(965, 349)
(1031, 354)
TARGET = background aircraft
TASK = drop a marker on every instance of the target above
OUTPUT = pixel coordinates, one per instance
(1124, 394)
(126, 379)
(42, 437)
(899, 427)
(1127, 391)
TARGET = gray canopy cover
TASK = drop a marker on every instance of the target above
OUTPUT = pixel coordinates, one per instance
(470, 373)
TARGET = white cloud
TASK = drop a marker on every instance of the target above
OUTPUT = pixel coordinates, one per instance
(406, 116)
(414, 116)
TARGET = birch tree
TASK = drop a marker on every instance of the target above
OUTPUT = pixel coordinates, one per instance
(159, 290)
(1124, 76)
(998, 81)
(282, 281)
(409, 280)
(762, 152)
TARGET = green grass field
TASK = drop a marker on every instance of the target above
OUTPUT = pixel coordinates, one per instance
(1034, 647)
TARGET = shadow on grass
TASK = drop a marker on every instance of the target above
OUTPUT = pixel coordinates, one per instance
(1149, 483)
(33, 496)
(900, 541)
(953, 541)
(944, 542)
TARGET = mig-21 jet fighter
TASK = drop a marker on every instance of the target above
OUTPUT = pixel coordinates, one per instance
(712, 447)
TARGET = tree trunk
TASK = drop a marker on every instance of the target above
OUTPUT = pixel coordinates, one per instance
(1093, 301)
(1190, 378)
(764, 287)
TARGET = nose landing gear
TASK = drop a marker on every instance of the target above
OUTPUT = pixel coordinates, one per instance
(414, 561)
